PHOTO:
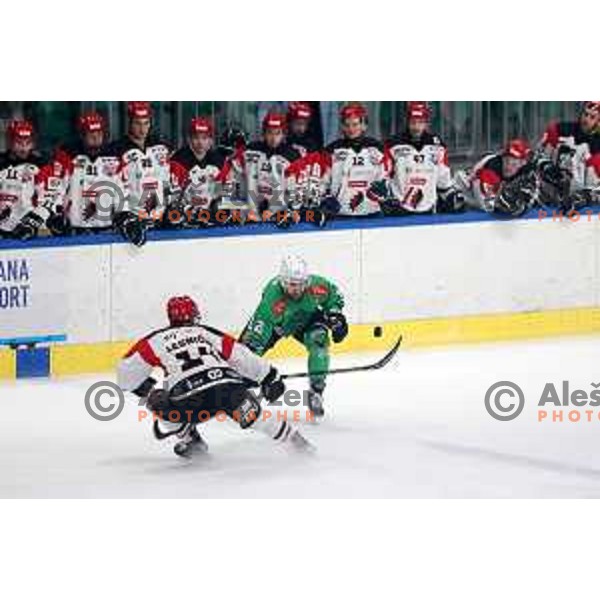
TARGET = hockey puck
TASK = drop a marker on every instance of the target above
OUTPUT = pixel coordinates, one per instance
(378, 331)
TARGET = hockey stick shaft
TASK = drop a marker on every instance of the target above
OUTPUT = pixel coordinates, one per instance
(370, 367)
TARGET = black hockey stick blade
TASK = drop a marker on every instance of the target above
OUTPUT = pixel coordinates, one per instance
(370, 367)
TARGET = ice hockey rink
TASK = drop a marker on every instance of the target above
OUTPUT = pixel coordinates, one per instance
(417, 428)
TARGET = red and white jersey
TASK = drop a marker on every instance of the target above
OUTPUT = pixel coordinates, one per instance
(482, 184)
(351, 166)
(418, 170)
(92, 186)
(269, 175)
(574, 151)
(312, 177)
(191, 358)
(232, 180)
(145, 173)
(25, 185)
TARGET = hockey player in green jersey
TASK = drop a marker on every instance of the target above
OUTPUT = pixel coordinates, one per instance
(307, 307)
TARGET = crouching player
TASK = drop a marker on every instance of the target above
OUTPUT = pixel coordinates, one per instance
(205, 372)
(307, 307)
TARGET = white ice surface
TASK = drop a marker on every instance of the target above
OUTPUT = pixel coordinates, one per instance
(415, 429)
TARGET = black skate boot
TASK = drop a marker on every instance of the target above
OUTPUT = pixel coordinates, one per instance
(315, 399)
(191, 443)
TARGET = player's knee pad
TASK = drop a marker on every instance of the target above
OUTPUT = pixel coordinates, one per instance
(248, 411)
(317, 336)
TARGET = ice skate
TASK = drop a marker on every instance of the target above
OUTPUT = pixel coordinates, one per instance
(191, 443)
(315, 402)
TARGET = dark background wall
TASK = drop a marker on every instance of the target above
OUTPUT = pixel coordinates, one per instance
(470, 128)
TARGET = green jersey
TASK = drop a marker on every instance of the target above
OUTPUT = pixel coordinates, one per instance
(278, 315)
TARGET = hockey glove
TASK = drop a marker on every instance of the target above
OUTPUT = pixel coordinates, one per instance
(508, 205)
(338, 326)
(89, 211)
(319, 216)
(272, 386)
(27, 229)
(451, 201)
(330, 206)
(578, 200)
(552, 174)
(392, 208)
(158, 400)
(131, 228)
(516, 196)
(378, 191)
(57, 224)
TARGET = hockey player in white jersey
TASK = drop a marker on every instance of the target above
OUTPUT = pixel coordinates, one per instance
(197, 171)
(351, 164)
(270, 170)
(504, 183)
(232, 143)
(92, 195)
(311, 178)
(145, 168)
(420, 180)
(28, 184)
(574, 151)
(205, 371)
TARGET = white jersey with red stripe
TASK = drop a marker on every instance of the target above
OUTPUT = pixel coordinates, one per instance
(351, 166)
(25, 185)
(93, 189)
(312, 178)
(575, 151)
(192, 357)
(146, 173)
(198, 179)
(269, 176)
(418, 170)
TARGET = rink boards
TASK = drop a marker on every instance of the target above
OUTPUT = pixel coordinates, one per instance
(451, 281)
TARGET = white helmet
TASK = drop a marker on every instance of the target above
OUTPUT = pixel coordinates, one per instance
(293, 270)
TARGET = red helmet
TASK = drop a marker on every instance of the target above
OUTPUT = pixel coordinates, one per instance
(591, 106)
(90, 122)
(518, 148)
(274, 120)
(353, 111)
(19, 129)
(418, 110)
(182, 310)
(299, 110)
(139, 110)
(201, 125)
